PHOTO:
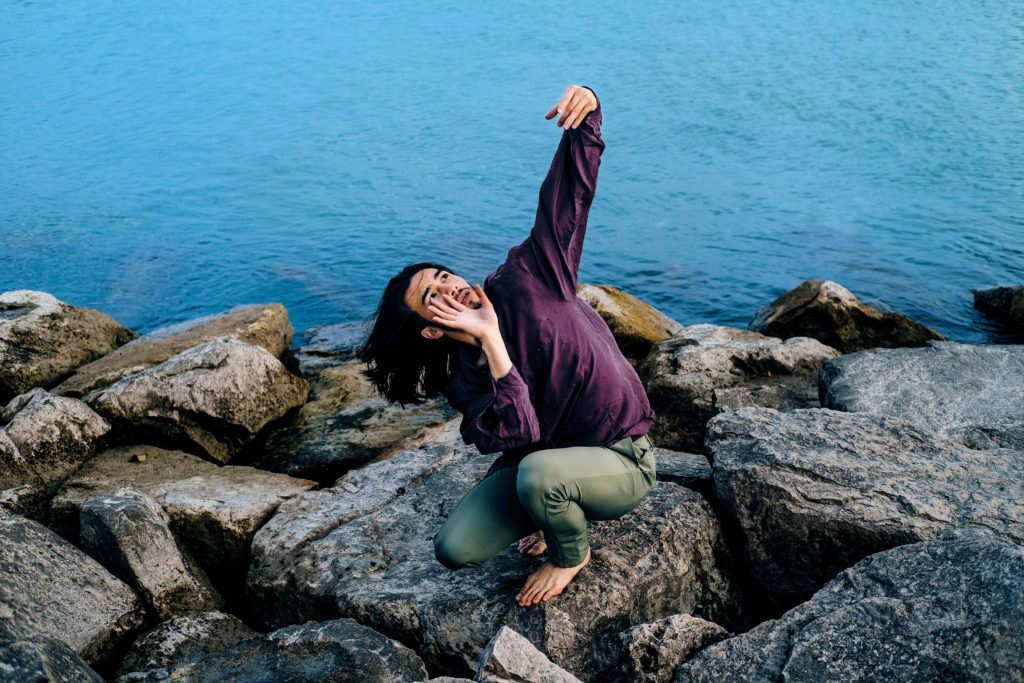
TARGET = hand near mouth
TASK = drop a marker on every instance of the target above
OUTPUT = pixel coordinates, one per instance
(481, 323)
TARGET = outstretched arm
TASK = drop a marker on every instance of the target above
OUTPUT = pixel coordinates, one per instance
(556, 240)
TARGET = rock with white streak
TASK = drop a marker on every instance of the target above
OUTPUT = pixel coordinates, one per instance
(709, 369)
(43, 339)
(263, 325)
(214, 397)
(510, 658)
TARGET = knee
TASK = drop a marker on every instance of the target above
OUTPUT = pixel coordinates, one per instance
(536, 480)
(452, 554)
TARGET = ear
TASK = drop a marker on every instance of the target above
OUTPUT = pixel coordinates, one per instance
(432, 332)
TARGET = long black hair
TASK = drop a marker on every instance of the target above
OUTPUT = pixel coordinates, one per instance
(403, 365)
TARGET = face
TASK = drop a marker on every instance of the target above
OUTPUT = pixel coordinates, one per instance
(430, 283)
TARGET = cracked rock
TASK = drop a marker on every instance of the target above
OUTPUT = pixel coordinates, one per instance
(652, 652)
(510, 658)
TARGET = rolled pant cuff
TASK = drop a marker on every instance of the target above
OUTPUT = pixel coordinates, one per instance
(567, 560)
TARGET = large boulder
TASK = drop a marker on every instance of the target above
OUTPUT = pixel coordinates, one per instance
(337, 651)
(814, 491)
(635, 325)
(829, 313)
(510, 657)
(42, 659)
(345, 424)
(43, 439)
(141, 466)
(50, 588)
(376, 564)
(42, 340)
(263, 325)
(127, 533)
(1006, 303)
(937, 611)
(328, 346)
(215, 397)
(651, 652)
(709, 369)
(971, 393)
(169, 649)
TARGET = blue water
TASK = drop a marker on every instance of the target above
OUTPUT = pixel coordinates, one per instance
(166, 160)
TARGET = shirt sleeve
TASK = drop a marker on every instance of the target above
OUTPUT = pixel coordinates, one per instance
(504, 420)
(556, 241)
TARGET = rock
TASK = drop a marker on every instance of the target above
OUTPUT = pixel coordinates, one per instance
(338, 651)
(510, 657)
(263, 325)
(936, 611)
(44, 438)
(710, 369)
(829, 313)
(127, 533)
(43, 659)
(217, 514)
(214, 397)
(691, 470)
(814, 491)
(140, 466)
(653, 651)
(667, 556)
(635, 325)
(42, 340)
(345, 424)
(329, 346)
(1004, 302)
(971, 393)
(50, 588)
(176, 644)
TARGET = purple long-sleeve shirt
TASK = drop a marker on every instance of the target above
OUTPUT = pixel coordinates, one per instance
(570, 384)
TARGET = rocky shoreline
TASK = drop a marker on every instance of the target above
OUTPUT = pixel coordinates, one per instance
(839, 498)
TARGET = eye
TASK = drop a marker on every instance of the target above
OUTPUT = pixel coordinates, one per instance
(444, 276)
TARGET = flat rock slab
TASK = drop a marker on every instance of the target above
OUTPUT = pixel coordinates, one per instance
(511, 657)
(127, 533)
(709, 369)
(43, 659)
(263, 325)
(346, 424)
(971, 393)
(652, 652)
(691, 470)
(44, 438)
(43, 339)
(378, 566)
(636, 325)
(141, 466)
(936, 611)
(830, 313)
(337, 651)
(174, 645)
(215, 397)
(50, 588)
(1006, 303)
(329, 345)
(814, 491)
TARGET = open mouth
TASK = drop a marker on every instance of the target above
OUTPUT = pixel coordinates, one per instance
(465, 298)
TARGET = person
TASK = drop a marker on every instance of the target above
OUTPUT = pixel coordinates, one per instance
(536, 374)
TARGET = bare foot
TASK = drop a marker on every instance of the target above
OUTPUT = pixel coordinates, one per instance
(533, 545)
(547, 582)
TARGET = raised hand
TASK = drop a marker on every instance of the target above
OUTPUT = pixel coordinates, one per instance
(574, 106)
(481, 323)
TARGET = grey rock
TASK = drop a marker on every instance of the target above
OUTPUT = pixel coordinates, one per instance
(652, 652)
(667, 556)
(44, 438)
(829, 313)
(178, 643)
(814, 491)
(635, 325)
(50, 588)
(1004, 302)
(511, 658)
(329, 345)
(140, 466)
(337, 651)
(263, 325)
(215, 396)
(127, 533)
(42, 659)
(691, 470)
(43, 339)
(710, 369)
(935, 611)
(344, 425)
(971, 393)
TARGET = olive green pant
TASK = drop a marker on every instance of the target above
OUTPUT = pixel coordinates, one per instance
(554, 490)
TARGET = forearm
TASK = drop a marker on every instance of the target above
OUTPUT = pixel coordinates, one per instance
(497, 355)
